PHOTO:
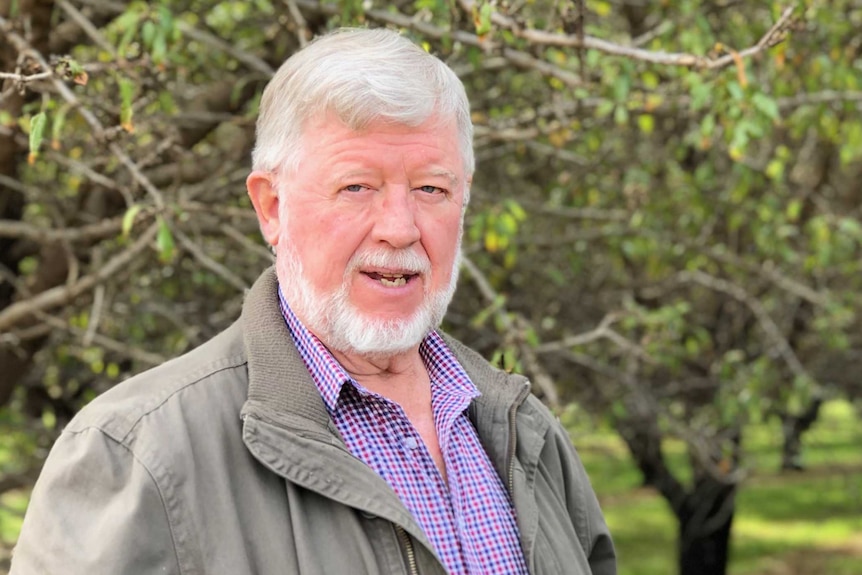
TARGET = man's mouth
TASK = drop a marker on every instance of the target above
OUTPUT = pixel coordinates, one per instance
(390, 280)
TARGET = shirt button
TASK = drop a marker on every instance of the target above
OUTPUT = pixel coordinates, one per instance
(410, 442)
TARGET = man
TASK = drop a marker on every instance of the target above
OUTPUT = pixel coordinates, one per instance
(332, 429)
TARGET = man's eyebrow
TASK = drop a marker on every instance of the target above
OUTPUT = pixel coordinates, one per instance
(350, 174)
(444, 173)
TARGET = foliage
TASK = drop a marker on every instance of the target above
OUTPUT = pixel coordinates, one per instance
(665, 224)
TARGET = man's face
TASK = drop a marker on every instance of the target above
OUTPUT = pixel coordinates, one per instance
(370, 229)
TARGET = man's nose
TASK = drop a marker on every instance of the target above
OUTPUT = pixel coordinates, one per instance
(395, 219)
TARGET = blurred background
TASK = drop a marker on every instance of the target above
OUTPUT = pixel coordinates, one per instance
(665, 235)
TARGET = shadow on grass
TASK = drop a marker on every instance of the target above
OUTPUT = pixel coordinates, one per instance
(817, 495)
(809, 561)
(644, 532)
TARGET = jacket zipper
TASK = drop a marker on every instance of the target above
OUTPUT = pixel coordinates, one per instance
(408, 547)
(513, 437)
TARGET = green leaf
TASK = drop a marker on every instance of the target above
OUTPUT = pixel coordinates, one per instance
(160, 47)
(794, 209)
(735, 90)
(166, 20)
(850, 227)
(621, 88)
(127, 91)
(646, 122)
(165, 242)
(128, 23)
(37, 132)
(129, 219)
(775, 169)
(483, 21)
(148, 33)
(57, 126)
(766, 105)
(516, 210)
(507, 225)
(601, 8)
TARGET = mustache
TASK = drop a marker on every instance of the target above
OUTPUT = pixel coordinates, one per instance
(403, 260)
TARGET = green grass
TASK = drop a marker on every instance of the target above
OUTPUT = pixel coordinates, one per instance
(785, 524)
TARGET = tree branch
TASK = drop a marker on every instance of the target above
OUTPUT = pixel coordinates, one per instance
(145, 357)
(541, 37)
(97, 231)
(515, 332)
(517, 57)
(766, 322)
(209, 263)
(62, 295)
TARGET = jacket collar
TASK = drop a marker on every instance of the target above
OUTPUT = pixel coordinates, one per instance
(281, 389)
(288, 429)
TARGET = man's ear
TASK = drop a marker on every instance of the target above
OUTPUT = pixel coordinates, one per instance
(264, 197)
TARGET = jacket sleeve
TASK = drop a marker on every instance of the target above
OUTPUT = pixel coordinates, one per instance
(584, 508)
(95, 509)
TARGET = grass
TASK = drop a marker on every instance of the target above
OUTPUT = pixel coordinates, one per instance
(807, 523)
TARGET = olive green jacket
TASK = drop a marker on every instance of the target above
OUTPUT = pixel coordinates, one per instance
(225, 461)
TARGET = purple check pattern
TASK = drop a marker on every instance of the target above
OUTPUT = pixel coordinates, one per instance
(471, 521)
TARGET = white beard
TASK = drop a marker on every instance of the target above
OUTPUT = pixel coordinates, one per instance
(340, 326)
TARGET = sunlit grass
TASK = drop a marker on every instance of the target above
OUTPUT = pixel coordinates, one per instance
(808, 522)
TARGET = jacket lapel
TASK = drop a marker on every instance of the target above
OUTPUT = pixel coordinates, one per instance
(287, 428)
(286, 425)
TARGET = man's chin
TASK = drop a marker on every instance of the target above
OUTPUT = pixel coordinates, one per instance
(375, 338)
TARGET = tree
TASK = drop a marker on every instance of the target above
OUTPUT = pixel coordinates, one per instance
(665, 224)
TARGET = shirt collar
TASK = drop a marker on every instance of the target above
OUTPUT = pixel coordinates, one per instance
(446, 373)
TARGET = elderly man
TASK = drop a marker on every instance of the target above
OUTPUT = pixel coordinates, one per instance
(332, 429)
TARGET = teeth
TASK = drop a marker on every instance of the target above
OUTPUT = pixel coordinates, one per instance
(393, 281)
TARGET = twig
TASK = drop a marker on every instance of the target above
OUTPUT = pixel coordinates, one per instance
(140, 355)
(67, 94)
(62, 295)
(771, 273)
(87, 26)
(515, 332)
(517, 57)
(601, 331)
(667, 58)
(210, 263)
(97, 231)
(95, 314)
(769, 326)
(246, 243)
(208, 39)
(824, 97)
(25, 78)
(304, 34)
(597, 333)
(699, 445)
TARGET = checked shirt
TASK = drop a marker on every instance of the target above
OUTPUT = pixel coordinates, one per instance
(471, 521)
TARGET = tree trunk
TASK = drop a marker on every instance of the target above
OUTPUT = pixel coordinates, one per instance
(793, 427)
(705, 521)
(705, 511)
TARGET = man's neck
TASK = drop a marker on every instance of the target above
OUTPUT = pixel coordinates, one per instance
(401, 377)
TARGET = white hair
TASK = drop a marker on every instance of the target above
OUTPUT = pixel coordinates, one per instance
(362, 76)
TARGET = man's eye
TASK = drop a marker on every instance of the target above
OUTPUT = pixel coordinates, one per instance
(430, 189)
(354, 188)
